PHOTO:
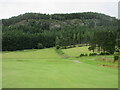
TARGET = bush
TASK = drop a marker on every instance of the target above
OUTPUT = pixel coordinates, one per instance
(116, 58)
(90, 54)
(82, 55)
(57, 47)
(102, 53)
(86, 54)
(93, 54)
(40, 46)
(107, 53)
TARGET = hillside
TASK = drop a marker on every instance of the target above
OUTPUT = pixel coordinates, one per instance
(30, 30)
(86, 18)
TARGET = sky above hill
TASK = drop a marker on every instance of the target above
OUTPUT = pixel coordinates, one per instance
(9, 8)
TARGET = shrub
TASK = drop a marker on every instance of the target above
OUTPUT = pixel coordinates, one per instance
(40, 46)
(57, 47)
(116, 58)
(93, 54)
(82, 55)
(86, 54)
(102, 53)
(90, 54)
(107, 53)
(90, 48)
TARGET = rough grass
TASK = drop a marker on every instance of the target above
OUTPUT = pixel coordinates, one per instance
(99, 61)
(45, 69)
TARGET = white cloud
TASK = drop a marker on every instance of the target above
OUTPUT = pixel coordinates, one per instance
(15, 7)
(119, 10)
(10, 1)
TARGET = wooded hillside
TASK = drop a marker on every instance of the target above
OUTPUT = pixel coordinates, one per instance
(35, 30)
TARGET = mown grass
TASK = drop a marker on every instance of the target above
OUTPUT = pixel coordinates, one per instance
(46, 69)
(31, 54)
(0, 70)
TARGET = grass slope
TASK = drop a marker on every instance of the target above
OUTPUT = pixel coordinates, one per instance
(45, 69)
(74, 52)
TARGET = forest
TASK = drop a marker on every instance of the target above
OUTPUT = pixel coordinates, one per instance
(37, 31)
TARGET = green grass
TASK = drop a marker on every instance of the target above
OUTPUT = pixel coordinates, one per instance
(46, 69)
(0, 70)
(74, 52)
(97, 60)
(31, 54)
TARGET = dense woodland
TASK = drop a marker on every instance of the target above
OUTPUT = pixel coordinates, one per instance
(35, 31)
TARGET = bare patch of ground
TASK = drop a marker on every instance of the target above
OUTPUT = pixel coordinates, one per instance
(76, 61)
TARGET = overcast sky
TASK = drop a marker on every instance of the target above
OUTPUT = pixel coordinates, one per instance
(9, 8)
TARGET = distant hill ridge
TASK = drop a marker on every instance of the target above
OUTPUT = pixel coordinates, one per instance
(36, 30)
(60, 17)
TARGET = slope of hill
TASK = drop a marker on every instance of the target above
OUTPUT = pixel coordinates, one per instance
(35, 28)
(85, 18)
